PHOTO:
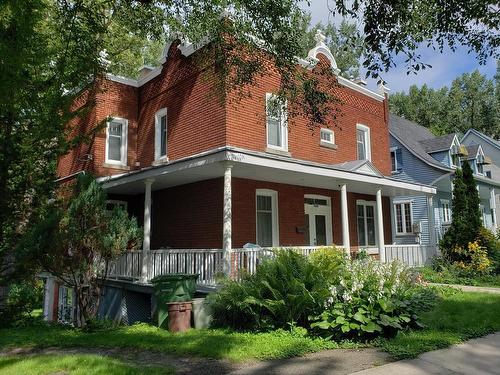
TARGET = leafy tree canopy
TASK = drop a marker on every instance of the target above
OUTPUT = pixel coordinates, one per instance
(472, 101)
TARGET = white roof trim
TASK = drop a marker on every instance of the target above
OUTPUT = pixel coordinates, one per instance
(482, 136)
(322, 48)
(361, 89)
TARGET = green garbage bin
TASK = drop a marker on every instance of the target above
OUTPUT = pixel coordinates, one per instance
(176, 287)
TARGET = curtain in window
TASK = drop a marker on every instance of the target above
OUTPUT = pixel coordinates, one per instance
(361, 139)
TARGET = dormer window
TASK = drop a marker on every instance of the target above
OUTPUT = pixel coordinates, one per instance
(161, 134)
(276, 123)
(396, 159)
(116, 141)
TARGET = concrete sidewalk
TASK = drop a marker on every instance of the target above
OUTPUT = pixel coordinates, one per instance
(475, 357)
(470, 288)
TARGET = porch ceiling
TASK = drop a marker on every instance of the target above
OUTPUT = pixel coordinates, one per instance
(262, 167)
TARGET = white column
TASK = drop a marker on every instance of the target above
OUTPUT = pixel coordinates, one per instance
(431, 220)
(48, 299)
(227, 217)
(344, 207)
(146, 242)
(380, 227)
(493, 209)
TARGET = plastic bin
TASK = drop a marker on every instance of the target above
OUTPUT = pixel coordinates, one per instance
(172, 288)
(179, 316)
(202, 314)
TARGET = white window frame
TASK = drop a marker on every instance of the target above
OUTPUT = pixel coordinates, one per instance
(368, 147)
(274, 207)
(124, 145)
(330, 134)
(283, 123)
(375, 221)
(447, 212)
(393, 151)
(450, 153)
(403, 213)
(158, 115)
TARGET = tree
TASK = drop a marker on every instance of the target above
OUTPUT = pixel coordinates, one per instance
(76, 240)
(466, 218)
(472, 101)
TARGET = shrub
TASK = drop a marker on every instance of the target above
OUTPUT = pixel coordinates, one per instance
(331, 262)
(476, 259)
(371, 299)
(491, 243)
(284, 290)
(22, 299)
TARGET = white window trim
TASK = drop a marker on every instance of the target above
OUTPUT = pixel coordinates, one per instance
(403, 212)
(274, 206)
(368, 145)
(450, 155)
(327, 211)
(124, 145)
(443, 202)
(158, 115)
(394, 149)
(284, 125)
(375, 221)
(327, 131)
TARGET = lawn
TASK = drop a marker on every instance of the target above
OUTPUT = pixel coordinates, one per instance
(447, 277)
(73, 365)
(457, 317)
(218, 344)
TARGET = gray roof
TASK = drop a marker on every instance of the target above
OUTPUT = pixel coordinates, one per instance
(472, 150)
(488, 139)
(436, 144)
(411, 135)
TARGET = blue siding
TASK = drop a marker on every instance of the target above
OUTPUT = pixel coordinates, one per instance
(442, 157)
(419, 210)
(414, 169)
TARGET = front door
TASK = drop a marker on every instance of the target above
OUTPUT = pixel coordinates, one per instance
(318, 221)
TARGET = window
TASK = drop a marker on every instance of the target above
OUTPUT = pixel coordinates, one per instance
(445, 211)
(455, 160)
(483, 213)
(277, 131)
(404, 217)
(363, 142)
(267, 218)
(366, 223)
(327, 136)
(396, 159)
(480, 168)
(116, 141)
(161, 134)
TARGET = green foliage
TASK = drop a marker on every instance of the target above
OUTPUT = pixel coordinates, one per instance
(74, 364)
(22, 299)
(74, 241)
(372, 299)
(472, 101)
(488, 240)
(330, 262)
(446, 273)
(284, 290)
(457, 317)
(466, 218)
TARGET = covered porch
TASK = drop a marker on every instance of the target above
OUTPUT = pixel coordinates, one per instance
(224, 210)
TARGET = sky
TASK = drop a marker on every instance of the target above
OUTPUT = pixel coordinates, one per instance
(445, 67)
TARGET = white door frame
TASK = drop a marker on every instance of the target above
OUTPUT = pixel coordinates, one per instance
(313, 210)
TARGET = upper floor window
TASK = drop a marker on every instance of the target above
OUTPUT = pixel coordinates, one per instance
(480, 168)
(396, 159)
(445, 211)
(363, 142)
(116, 141)
(404, 217)
(161, 134)
(276, 122)
(267, 218)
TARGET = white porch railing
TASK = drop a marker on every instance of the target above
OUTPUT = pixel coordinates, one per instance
(411, 255)
(208, 262)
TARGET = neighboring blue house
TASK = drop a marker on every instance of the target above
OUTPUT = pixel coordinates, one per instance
(420, 157)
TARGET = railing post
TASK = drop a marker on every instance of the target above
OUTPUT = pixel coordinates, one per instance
(146, 244)
(380, 227)
(345, 219)
(227, 218)
(493, 209)
(430, 220)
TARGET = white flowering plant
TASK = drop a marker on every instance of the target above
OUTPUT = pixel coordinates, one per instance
(371, 299)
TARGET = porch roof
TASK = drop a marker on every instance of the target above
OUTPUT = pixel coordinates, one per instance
(360, 176)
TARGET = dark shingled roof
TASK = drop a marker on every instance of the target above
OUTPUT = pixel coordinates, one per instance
(438, 143)
(472, 150)
(411, 135)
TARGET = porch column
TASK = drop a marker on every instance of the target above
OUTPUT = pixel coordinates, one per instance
(430, 221)
(48, 299)
(380, 227)
(146, 242)
(493, 209)
(227, 217)
(345, 219)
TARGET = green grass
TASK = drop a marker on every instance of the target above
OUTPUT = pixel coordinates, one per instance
(220, 344)
(74, 365)
(457, 317)
(448, 277)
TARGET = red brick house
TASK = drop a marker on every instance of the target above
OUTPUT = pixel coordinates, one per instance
(199, 173)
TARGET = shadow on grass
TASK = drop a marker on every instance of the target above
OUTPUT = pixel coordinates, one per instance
(456, 318)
